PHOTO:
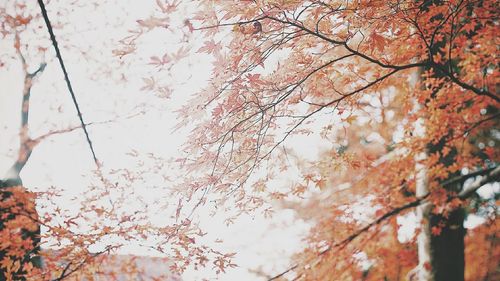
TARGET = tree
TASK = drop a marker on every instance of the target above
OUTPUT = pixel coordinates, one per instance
(78, 238)
(416, 79)
(402, 94)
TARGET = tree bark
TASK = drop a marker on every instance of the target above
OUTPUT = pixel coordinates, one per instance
(424, 247)
(440, 256)
(448, 260)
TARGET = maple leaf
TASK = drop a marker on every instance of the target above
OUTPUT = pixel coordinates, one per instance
(153, 22)
(470, 26)
(210, 47)
(126, 50)
(181, 53)
(156, 61)
(150, 84)
(6, 262)
(218, 111)
(164, 92)
(378, 41)
(168, 7)
(321, 183)
(351, 119)
(254, 79)
(299, 190)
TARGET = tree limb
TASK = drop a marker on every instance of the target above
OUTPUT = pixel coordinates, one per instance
(360, 231)
(25, 142)
(40, 138)
(490, 175)
(463, 178)
(468, 190)
(465, 85)
(66, 78)
(67, 271)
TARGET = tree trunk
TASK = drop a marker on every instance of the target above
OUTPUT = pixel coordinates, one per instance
(424, 246)
(440, 256)
(447, 259)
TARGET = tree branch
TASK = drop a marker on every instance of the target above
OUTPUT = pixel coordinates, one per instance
(491, 175)
(67, 272)
(66, 78)
(360, 231)
(468, 190)
(40, 138)
(25, 142)
(346, 46)
(465, 85)
(463, 178)
(283, 273)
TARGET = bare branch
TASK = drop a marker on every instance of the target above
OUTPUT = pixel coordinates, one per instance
(40, 138)
(283, 273)
(25, 142)
(66, 78)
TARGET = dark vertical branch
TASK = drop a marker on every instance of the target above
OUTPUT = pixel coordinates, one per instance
(66, 77)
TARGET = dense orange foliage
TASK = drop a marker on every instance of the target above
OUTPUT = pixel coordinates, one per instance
(20, 233)
(482, 252)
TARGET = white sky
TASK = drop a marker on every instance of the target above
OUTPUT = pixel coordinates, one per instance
(87, 40)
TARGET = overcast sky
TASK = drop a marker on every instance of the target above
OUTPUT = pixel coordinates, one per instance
(140, 121)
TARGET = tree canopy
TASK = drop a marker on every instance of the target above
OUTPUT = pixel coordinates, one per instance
(400, 97)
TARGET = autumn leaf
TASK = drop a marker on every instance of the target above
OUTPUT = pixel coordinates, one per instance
(169, 7)
(210, 47)
(321, 183)
(378, 41)
(153, 22)
(150, 84)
